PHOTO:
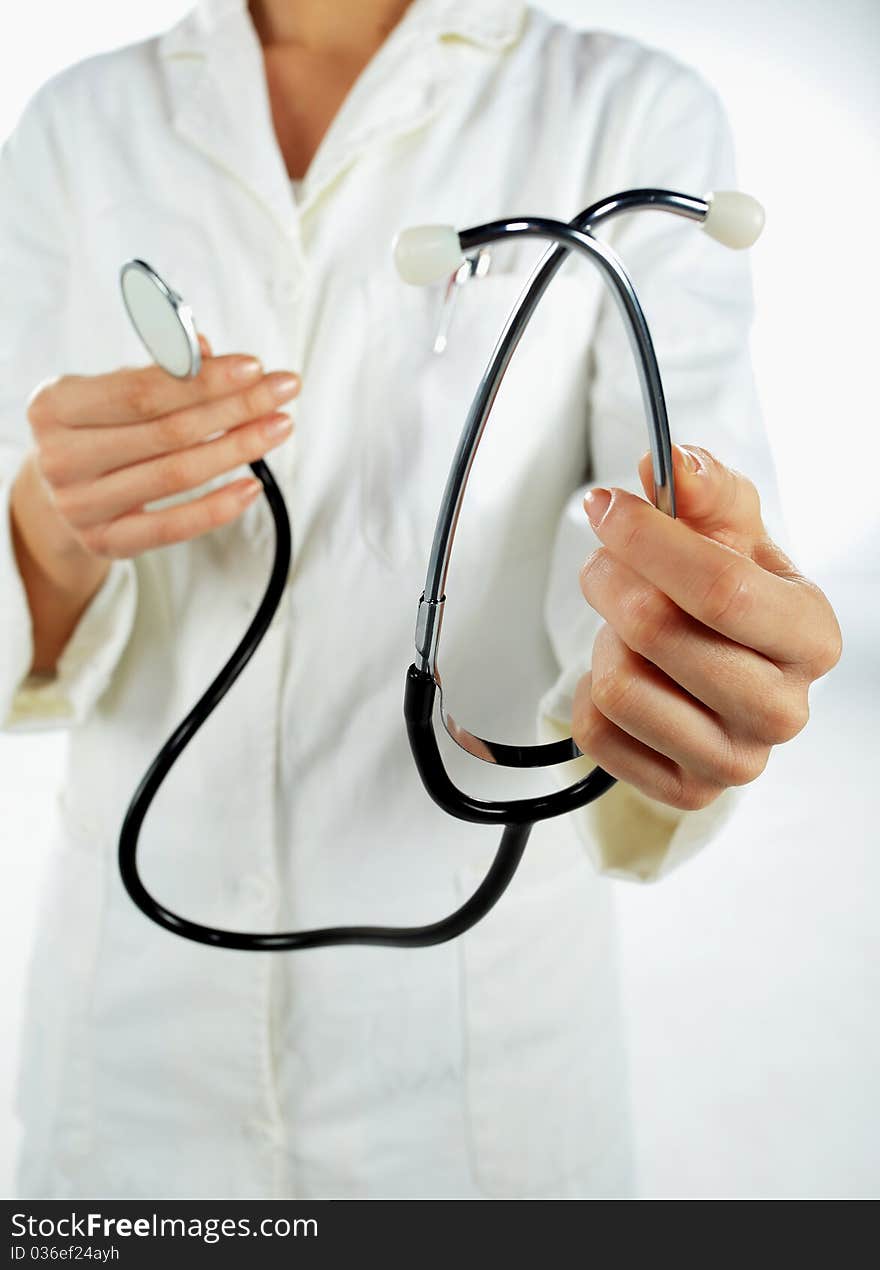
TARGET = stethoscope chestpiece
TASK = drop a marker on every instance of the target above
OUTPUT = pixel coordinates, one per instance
(162, 320)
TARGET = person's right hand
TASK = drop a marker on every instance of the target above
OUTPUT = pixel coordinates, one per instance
(105, 445)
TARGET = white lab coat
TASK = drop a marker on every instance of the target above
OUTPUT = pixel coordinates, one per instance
(492, 1065)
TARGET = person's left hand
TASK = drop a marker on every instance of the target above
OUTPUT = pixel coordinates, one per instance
(710, 642)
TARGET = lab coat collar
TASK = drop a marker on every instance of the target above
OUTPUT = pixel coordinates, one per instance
(494, 24)
(212, 60)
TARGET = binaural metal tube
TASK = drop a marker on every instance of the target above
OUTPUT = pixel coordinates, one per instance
(685, 205)
(649, 379)
(565, 238)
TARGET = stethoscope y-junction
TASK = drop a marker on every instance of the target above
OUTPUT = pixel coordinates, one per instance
(423, 255)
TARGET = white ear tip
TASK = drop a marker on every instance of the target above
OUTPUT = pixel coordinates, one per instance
(427, 253)
(734, 219)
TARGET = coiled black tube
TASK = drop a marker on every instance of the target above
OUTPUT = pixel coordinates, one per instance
(504, 865)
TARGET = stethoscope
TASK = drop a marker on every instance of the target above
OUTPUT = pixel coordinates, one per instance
(425, 255)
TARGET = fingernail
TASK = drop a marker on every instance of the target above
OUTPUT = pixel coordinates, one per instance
(285, 386)
(688, 459)
(249, 490)
(278, 427)
(596, 503)
(248, 368)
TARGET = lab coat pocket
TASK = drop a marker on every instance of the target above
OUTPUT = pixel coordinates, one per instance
(54, 1089)
(545, 1087)
(416, 402)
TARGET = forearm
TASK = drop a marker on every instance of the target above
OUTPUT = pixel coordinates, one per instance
(60, 576)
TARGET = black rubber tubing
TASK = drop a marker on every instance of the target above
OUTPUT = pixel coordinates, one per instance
(503, 866)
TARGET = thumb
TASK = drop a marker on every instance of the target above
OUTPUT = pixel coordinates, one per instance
(711, 497)
(204, 345)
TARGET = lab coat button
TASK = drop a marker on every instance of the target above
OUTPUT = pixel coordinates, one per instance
(283, 290)
(281, 611)
(255, 890)
(266, 1131)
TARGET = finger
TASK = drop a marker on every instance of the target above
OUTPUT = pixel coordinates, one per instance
(628, 759)
(140, 531)
(93, 502)
(748, 691)
(721, 503)
(82, 454)
(711, 497)
(718, 585)
(135, 394)
(645, 703)
(204, 345)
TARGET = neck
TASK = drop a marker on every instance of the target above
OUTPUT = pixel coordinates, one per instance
(326, 25)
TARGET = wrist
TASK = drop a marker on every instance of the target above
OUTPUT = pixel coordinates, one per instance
(45, 540)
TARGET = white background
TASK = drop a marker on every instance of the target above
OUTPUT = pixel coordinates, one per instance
(751, 977)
